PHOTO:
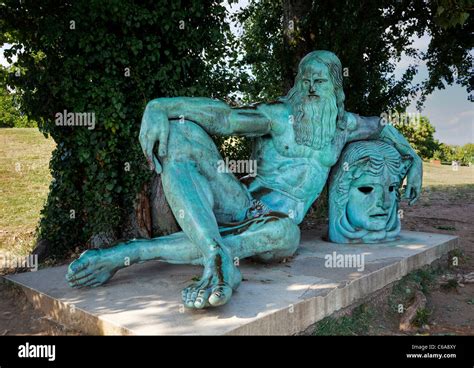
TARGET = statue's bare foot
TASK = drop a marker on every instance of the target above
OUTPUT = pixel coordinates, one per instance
(92, 268)
(220, 277)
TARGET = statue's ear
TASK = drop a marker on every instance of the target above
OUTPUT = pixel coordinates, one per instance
(407, 161)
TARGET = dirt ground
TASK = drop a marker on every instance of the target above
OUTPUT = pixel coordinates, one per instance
(449, 306)
(18, 317)
(447, 210)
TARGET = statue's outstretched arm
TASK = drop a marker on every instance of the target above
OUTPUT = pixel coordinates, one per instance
(214, 116)
(377, 128)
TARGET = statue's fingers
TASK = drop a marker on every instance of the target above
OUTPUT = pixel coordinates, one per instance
(144, 143)
(415, 197)
(153, 162)
(408, 191)
(157, 165)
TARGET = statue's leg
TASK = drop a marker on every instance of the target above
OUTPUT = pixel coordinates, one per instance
(197, 192)
(269, 239)
(199, 196)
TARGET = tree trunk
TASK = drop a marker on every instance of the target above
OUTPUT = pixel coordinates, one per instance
(163, 221)
(151, 216)
(138, 224)
(294, 38)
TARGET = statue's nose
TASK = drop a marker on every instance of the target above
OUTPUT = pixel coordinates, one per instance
(386, 200)
(383, 200)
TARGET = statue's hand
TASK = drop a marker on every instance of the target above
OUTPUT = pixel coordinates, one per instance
(155, 128)
(414, 181)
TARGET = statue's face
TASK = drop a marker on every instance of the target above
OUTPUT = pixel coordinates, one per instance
(371, 201)
(316, 82)
(314, 105)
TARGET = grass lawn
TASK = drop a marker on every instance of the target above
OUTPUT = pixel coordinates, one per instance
(24, 183)
(25, 177)
(443, 175)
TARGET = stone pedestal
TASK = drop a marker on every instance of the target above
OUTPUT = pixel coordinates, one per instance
(282, 298)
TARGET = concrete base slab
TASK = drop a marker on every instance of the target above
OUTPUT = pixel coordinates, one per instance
(282, 298)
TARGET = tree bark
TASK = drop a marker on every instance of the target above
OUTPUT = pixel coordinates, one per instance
(162, 219)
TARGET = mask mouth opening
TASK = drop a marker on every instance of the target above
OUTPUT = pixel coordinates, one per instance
(379, 215)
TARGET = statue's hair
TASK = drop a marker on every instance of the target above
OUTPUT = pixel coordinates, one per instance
(363, 157)
(334, 65)
(358, 158)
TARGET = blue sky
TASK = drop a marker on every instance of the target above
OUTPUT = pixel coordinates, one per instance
(448, 110)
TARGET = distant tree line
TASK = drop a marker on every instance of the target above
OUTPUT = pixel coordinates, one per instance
(420, 134)
(11, 115)
(448, 153)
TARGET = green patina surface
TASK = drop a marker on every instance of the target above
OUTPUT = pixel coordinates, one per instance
(297, 140)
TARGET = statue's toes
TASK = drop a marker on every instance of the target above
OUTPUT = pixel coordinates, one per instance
(76, 282)
(184, 295)
(220, 295)
(93, 283)
(77, 266)
(82, 281)
(202, 298)
(76, 276)
(190, 297)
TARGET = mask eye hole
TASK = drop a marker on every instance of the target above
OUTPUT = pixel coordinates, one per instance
(365, 190)
(391, 188)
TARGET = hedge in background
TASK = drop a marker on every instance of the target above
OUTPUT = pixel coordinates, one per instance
(107, 58)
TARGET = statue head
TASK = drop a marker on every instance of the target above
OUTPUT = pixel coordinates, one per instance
(317, 99)
(364, 192)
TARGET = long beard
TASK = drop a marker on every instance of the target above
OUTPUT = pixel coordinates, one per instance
(314, 120)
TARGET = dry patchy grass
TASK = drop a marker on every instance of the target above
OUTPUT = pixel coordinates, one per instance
(24, 183)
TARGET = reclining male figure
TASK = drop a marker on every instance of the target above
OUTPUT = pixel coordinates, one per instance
(297, 139)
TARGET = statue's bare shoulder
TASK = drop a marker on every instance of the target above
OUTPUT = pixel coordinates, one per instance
(278, 112)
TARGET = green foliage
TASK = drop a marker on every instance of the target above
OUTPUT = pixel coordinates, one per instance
(262, 45)
(369, 37)
(234, 148)
(449, 58)
(437, 154)
(450, 13)
(463, 154)
(403, 292)
(450, 285)
(420, 134)
(422, 317)
(109, 58)
(10, 113)
(467, 152)
(355, 324)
